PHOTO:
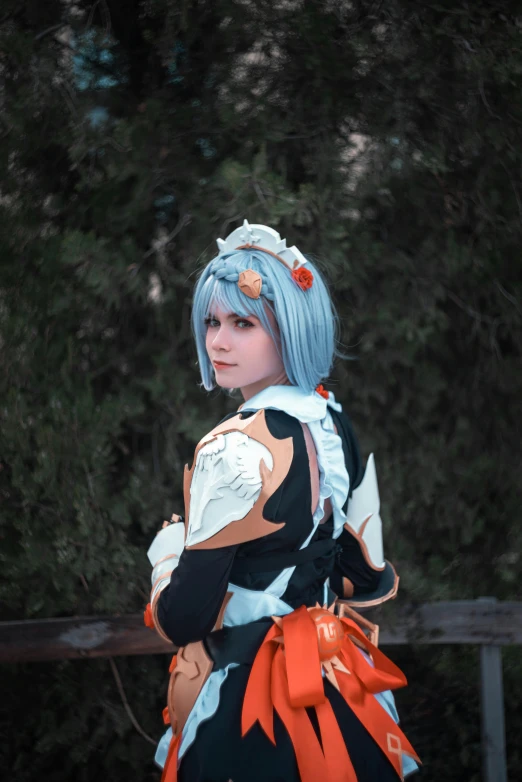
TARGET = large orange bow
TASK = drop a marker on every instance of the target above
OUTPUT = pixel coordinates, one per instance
(287, 676)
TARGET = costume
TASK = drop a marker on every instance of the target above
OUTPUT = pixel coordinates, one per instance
(247, 578)
(280, 521)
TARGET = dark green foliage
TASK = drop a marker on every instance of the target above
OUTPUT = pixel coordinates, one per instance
(383, 138)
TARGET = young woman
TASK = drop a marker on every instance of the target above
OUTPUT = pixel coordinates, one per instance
(273, 680)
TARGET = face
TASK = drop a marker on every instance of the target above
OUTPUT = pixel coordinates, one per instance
(243, 353)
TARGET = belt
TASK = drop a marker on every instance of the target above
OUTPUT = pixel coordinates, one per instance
(265, 564)
(237, 644)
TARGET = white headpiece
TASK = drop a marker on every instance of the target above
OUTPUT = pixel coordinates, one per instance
(262, 237)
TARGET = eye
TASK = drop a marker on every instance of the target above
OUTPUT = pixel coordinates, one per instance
(242, 323)
(212, 322)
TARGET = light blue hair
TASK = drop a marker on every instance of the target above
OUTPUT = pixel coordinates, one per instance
(307, 320)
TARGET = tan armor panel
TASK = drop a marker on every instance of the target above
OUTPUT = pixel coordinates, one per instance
(253, 525)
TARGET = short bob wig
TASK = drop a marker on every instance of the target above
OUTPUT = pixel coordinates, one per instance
(308, 323)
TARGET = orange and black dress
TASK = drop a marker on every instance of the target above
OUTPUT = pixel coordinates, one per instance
(272, 681)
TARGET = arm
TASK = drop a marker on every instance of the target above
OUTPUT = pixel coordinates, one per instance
(221, 494)
(189, 606)
(188, 587)
(164, 554)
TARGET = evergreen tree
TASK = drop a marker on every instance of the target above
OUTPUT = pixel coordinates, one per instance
(382, 138)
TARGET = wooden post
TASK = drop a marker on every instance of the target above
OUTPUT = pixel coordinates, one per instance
(492, 698)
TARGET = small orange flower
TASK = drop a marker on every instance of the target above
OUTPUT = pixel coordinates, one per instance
(322, 391)
(303, 277)
(147, 617)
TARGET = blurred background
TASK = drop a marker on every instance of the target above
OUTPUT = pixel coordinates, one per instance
(383, 139)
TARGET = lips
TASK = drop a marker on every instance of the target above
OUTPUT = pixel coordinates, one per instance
(222, 365)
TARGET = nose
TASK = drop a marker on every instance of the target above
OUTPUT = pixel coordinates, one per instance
(221, 340)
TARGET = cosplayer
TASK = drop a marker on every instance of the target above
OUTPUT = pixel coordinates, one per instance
(276, 677)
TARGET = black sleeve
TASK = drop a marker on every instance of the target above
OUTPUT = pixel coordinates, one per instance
(351, 562)
(189, 606)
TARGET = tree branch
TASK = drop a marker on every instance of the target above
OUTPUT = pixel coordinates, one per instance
(126, 705)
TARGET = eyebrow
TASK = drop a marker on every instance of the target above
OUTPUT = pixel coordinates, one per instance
(233, 315)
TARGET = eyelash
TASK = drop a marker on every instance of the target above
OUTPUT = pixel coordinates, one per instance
(212, 321)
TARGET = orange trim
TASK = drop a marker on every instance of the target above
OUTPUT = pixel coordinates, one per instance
(348, 588)
(253, 525)
(219, 621)
(378, 600)
(154, 611)
(160, 578)
(314, 467)
(169, 556)
(263, 249)
(300, 274)
(343, 609)
(189, 674)
(362, 544)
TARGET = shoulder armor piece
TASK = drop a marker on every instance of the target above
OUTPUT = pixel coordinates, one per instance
(363, 520)
(236, 468)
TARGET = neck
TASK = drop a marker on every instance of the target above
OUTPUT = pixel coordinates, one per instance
(276, 380)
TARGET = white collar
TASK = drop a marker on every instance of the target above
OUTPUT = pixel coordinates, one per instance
(307, 406)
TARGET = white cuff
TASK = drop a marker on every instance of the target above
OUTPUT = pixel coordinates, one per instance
(160, 586)
(169, 540)
(163, 567)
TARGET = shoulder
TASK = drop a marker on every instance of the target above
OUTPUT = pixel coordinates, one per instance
(242, 460)
(280, 423)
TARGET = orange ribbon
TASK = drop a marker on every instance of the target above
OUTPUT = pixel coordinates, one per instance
(170, 770)
(305, 682)
(148, 619)
(286, 676)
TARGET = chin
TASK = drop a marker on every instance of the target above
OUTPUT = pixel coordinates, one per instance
(224, 383)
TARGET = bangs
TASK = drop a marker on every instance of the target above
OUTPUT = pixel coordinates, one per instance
(228, 297)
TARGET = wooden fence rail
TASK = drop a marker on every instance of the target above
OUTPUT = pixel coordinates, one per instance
(458, 622)
(485, 622)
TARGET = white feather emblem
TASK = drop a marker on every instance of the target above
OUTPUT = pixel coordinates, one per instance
(225, 484)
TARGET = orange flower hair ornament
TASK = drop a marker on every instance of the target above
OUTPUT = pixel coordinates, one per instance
(303, 277)
(261, 237)
(322, 392)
